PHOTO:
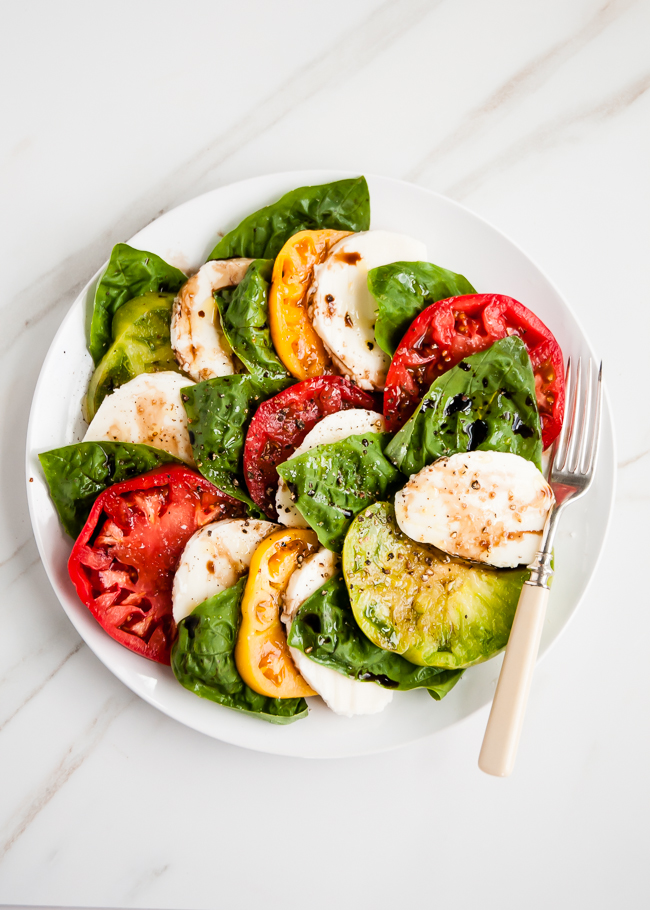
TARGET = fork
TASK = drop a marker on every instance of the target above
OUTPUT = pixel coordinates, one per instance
(573, 463)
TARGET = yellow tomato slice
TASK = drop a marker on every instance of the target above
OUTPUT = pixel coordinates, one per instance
(298, 346)
(261, 653)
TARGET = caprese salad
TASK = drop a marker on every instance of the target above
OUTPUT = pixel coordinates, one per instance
(313, 468)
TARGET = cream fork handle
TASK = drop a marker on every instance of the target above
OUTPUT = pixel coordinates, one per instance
(506, 719)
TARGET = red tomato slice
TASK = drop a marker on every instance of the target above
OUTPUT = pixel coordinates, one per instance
(449, 330)
(281, 423)
(123, 562)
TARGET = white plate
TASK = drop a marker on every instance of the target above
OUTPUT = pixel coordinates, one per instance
(457, 240)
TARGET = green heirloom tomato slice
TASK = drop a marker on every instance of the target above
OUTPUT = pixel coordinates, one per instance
(414, 600)
(141, 344)
(325, 630)
(129, 273)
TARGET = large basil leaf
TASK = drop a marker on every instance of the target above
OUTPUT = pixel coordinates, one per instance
(245, 320)
(333, 483)
(141, 344)
(78, 473)
(402, 290)
(325, 629)
(129, 273)
(486, 402)
(203, 660)
(343, 205)
(218, 413)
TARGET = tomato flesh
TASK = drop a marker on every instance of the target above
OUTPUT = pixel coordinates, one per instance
(281, 424)
(450, 330)
(124, 560)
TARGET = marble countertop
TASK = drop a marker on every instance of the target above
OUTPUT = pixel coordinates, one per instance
(536, 116)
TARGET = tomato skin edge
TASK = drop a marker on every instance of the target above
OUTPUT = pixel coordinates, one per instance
(403, 391)
(261, 475)
(160, 476)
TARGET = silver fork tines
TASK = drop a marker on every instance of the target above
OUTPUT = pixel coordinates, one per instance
(574, 455)
(576, 447)
(590, 450)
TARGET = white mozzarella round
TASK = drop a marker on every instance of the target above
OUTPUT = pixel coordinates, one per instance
(343, 311)
(200, 346)
(486, 506)
(345, 696)
(332, 428)
(215, 558)
(147, 409)
(307, 579)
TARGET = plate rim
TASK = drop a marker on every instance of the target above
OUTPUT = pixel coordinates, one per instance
(316, 175)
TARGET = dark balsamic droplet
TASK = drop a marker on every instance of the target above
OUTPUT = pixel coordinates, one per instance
(464, 366)
(191, 624)
(520, 428)
(384, 681)
(313, 621)
(458, 403)
(477, 433)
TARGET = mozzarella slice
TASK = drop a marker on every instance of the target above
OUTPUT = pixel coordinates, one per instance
(343, 695)
(343, 311)
(200, 346)
(215, 558)
(149, 410)
(486, 506)
(330, 429)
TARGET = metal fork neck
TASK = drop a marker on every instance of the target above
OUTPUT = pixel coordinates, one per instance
(540, 567)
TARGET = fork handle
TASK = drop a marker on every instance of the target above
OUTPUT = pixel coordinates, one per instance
(506, 719)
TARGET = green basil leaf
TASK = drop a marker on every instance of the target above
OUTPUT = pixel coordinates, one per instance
(141, 344)
(129, 273)
(244, 314)
(218, 413)
(333, 483)
(78, 473)
(343, 205)
(402, 290)
(326, 631)
(485, 402)
(203, 660)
